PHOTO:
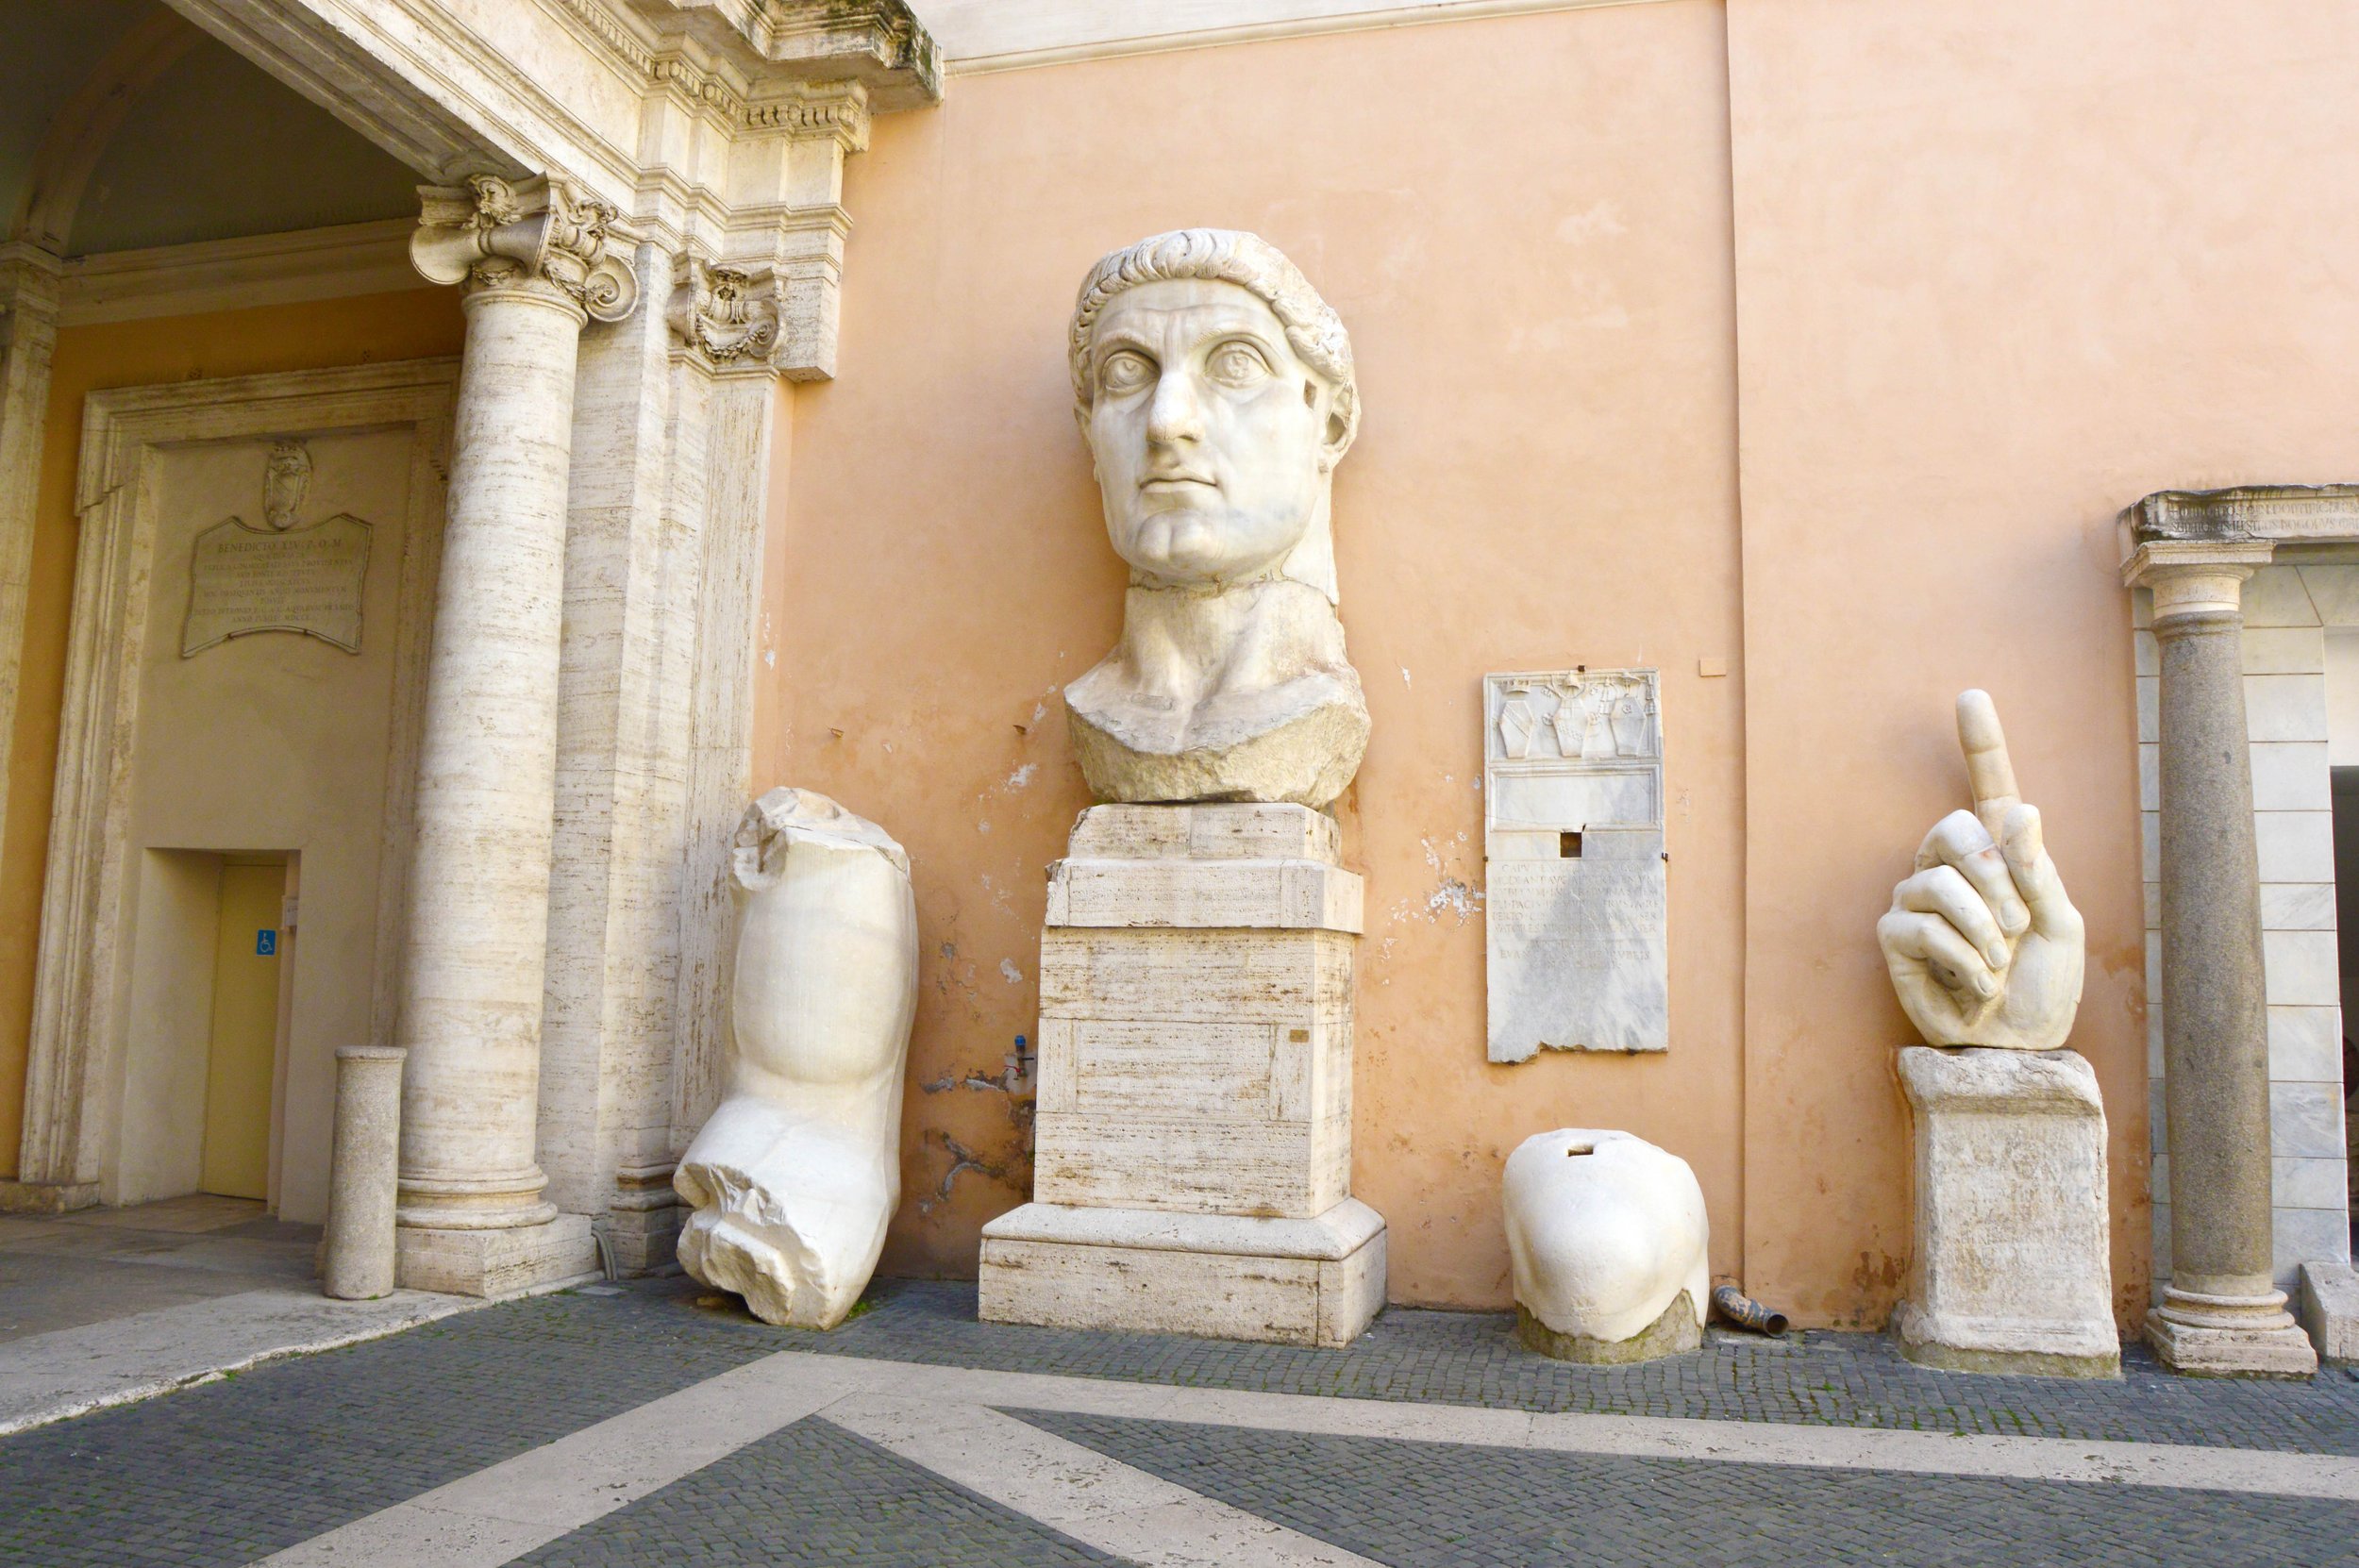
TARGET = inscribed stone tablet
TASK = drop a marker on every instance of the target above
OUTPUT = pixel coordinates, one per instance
(309, 580)
(1577, 950)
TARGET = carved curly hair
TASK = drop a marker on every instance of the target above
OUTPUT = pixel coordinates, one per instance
(1225, 256)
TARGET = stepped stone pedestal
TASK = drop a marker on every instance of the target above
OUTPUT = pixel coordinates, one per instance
(1192, 1149)
(2014, 1268)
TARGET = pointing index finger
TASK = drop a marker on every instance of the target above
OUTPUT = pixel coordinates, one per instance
(1989, 773)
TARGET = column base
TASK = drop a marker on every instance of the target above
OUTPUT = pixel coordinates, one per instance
(2270, 1345)
(494, 1262)
(641, 1240)
(1309, 1282)
(47, 1197)
(2329, 1310)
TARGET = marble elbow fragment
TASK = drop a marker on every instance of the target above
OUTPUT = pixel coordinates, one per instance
(794, 1176)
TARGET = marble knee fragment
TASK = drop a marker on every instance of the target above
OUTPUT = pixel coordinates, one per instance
(794, 1178)
(1609, 1246)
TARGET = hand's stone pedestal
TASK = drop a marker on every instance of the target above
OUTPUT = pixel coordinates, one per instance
(1193, 1151)
(2013, 1268)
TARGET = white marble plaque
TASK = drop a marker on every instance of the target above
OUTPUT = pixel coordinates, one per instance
(243, 579)
(1578, 957)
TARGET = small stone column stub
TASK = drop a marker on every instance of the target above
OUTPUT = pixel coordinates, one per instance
(534, 260)
(2222, 1313)
(363, 1174)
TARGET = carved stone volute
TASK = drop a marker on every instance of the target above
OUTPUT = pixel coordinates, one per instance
(496, 234)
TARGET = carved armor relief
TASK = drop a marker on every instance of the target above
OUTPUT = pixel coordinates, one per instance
(1576, 951)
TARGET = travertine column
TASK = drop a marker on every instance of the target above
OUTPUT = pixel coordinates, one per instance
(533, 259)
(2221, 1315)
(359, 1264)
(29, 279)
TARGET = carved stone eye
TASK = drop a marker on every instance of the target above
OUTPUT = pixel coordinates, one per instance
(1124, 372)
(1238, 365)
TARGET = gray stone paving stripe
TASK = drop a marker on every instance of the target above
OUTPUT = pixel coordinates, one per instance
(499, 1513)
(66, 1371)
(1078, 1491)
(940, 1417)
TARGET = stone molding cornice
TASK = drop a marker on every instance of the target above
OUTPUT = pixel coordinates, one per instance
(879, 44)
(1018, 35)
(2282, 513)
(840, 110)
(495, 234)
(336, 263)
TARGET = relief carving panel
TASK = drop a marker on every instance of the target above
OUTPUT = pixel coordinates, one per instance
(1576, 900)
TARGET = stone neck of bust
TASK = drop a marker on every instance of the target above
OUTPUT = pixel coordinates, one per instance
(1196, 640)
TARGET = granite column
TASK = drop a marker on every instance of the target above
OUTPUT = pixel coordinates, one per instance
(2222, 1313)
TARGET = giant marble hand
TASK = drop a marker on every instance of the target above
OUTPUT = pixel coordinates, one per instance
(1215, 390)
(1984, 946)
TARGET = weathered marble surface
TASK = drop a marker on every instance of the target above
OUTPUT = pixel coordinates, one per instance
(795, 1175)
(537, 261)
(1577, 947)
(2330, 1311)
(1609, 1246)
(1983, 945)
(1192, 1160)
(2014, 1264)
(1215, 390)
(356, 1254)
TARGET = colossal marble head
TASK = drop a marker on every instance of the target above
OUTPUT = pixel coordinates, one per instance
(1215, 390)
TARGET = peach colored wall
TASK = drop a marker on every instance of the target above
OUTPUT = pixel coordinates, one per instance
(411, 325)
(1525, 223)
(2002, 269)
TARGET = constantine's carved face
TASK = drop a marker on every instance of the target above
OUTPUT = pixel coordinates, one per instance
(1205, 428)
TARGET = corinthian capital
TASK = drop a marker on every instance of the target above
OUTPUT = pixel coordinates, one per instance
(491, 233)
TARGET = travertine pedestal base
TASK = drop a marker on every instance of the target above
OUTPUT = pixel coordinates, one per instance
(1316, 1283)
(494, 1262)
(2329, 1310)
(2230, 1336)
(1192, 1154)
(2014, 1268)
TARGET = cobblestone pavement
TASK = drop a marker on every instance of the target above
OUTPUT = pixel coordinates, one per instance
(232, 1471)
(1474, 1359)
(760, 1508)
(1432, 1505)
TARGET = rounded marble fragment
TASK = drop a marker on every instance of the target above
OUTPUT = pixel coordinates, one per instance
(1609, 1246)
